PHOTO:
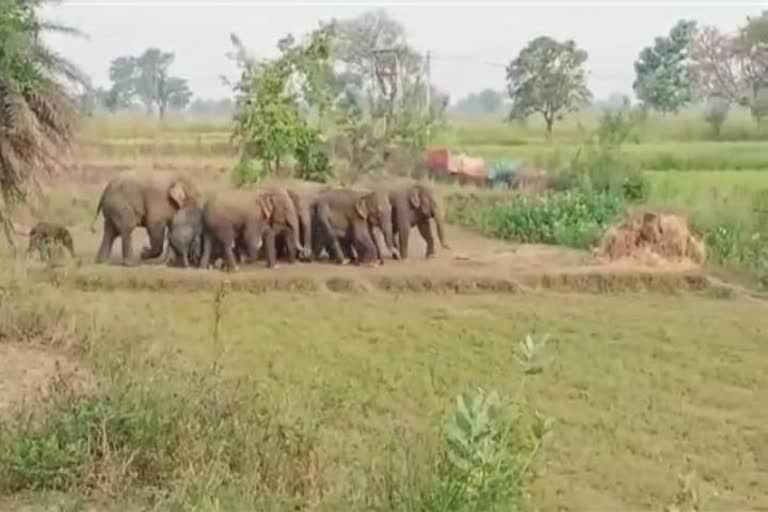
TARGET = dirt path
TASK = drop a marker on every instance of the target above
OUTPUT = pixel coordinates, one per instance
(473, 264)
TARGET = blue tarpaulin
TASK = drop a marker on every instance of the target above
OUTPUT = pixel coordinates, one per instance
(503, 170)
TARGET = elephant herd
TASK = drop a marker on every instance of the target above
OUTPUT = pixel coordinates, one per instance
(289, 220)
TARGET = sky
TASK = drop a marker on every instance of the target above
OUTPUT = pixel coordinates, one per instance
(471, 42)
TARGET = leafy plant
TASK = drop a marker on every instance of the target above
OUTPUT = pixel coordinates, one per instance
(486, 455)
(573, 218)
(273, 96)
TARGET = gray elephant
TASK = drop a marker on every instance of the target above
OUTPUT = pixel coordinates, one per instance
(185, 236)
(414, 205)
(346, 217)
(146, 199)
(302, 194)
(256, 215)
(185, 240)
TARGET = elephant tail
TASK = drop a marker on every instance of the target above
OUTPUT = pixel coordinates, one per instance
(96, 215)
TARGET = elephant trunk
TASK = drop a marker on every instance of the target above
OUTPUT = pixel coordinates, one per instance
(389, 241)
(306, 224)
(438, 216)
(92, 228)
(293, 220)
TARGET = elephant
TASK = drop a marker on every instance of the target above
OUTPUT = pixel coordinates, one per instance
(302, 194)
(346, 216)
(413, 205)
(185, 235)
(255, 215)
(45, 234)
(146, 199)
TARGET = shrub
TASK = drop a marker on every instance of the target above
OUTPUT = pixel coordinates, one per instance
(248, 171)
(575, 218)
(185, 434)
(604, 167)
(483, 457)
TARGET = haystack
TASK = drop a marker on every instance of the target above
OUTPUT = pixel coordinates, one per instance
(654, 238)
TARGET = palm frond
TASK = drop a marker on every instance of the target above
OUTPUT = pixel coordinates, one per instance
(37, 110)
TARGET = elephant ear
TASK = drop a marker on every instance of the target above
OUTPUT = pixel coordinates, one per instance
(361, 208)
(177, 194)
(267, 206)
(414, 197)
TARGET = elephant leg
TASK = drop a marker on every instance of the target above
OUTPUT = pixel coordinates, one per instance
(269, 244)
(289, 247)
(183, 256)
(156, 234)
(403, 239)
(426, 234)
(318, 239)
(334, 251)
(205, 254)
(348, 248)
(107, 240)
(361, 234)
(376, 245)
(126, 238)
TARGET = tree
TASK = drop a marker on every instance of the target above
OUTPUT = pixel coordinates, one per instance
(547, 77)
(268, 121)
(734, 67)
(146, 78)
(484, 102)
(173, 92)
(663, 78)
(38, 109)
(385, 115)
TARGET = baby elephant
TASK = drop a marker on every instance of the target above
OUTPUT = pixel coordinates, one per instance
(185, 236)
(46, 234)
(185, 239)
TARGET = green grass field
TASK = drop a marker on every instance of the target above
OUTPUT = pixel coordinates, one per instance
(641, 390)
(335, 397)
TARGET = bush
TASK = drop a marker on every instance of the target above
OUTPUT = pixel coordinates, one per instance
(483, 457)
(184, 435)
(575, 219)
(604, 167)
(248, 171)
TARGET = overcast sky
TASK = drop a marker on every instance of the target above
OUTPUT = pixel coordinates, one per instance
(471, 41)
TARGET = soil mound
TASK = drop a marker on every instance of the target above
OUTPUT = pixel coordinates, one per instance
(653, 238)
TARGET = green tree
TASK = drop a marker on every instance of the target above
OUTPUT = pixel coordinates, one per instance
(548, 78)
(146, 78)
(269, 125)
(663, 76)
(172, 92)
(38, 108)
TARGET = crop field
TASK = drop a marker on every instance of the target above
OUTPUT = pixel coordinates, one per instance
(321, 387)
